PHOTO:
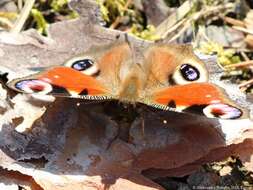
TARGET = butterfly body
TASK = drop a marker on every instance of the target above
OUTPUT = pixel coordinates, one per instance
(164, 76)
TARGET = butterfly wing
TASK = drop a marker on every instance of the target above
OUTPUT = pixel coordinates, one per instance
(200, 98)
(178, 81)
(93, 75)
(60, 81)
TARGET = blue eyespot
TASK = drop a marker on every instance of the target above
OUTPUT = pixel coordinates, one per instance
(189, 72)
(82, 65)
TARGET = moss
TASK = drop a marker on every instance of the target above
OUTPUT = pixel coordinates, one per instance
(46, 12)
(148, 33)
(129, 18)
(225, 57)
(41, 23)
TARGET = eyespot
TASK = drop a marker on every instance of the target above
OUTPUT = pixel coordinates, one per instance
(223, 111)
(82, 65)
(189, 72)
(34, 86)
(86, 65)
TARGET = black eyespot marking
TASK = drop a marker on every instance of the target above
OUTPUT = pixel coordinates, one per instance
(82, 65)
(197, 109)
(60, 90)
(172, 104)
(189, 72)
(84, 92)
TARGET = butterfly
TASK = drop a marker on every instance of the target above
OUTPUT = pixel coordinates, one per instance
(165, 76)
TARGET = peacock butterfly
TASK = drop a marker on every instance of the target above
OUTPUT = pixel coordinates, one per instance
(169, 77)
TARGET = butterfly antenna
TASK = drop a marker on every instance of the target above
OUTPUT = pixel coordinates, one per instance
(131, 47)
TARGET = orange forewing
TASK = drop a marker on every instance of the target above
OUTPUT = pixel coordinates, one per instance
(73, 80)
(190, 94)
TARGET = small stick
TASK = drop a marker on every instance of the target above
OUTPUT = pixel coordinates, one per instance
(180, 32)
(5, 23)
(20, 5)
(23, 16)
(233, 21)
(174, 18)
(168, 26)
(175, 27)
(238, 49)
(245, 30)
(249, 82)
(246, 58)
(241, 64)
(117, 20)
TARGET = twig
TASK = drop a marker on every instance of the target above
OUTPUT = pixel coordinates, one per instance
(244, 55)
(179, 14)
(196, 16)
(211, 11)
(20, 5)
(233, 21)
(247, 83)
(118, 19)
(23, 16)
(8, 15)
(245, 30)
(241, 64)
(182, 30)
(175, 27)
(203, 33)
(5, 23)
(238, 49)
